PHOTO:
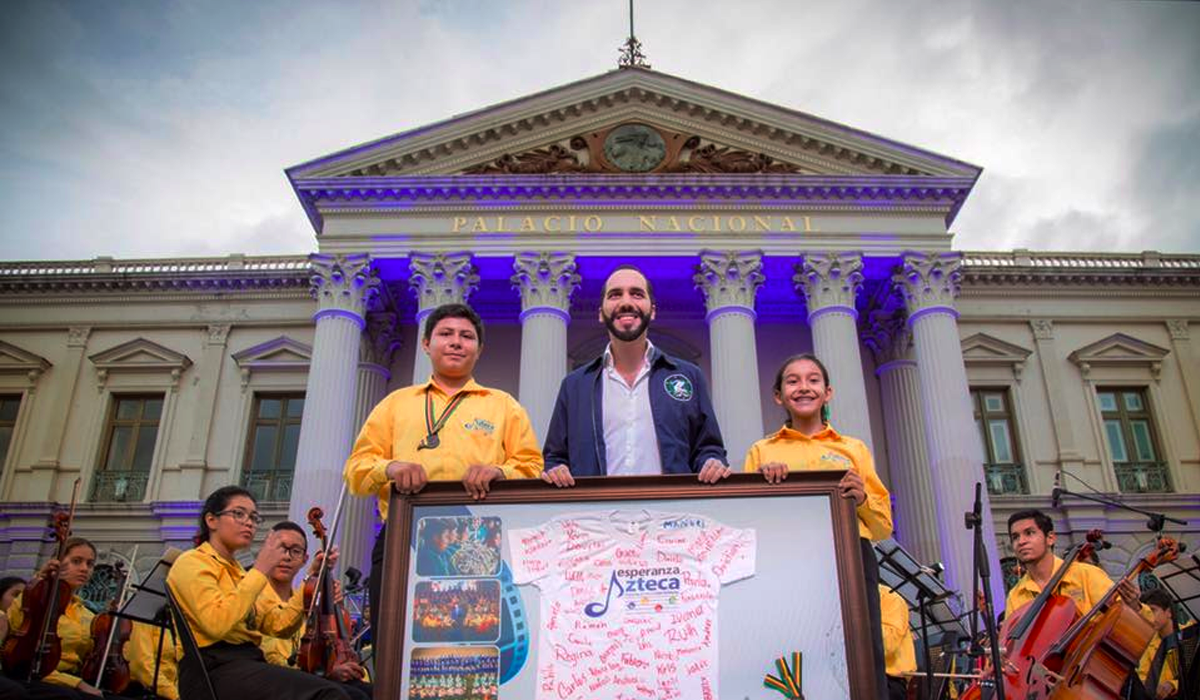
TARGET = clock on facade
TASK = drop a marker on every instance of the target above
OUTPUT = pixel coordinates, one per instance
(635, 148)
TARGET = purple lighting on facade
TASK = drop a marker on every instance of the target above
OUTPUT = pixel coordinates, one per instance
(912, 319)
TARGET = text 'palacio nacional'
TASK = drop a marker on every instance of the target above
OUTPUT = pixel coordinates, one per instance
(765, 232)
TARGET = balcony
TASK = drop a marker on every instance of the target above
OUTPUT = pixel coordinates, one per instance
(1005, 479)
(268, 485)
(119, 486)
(1143, 477)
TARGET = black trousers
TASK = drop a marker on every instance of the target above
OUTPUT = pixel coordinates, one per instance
(897, 688)
(35, 690)
(375, 581)
(871, 579)
(240, 672)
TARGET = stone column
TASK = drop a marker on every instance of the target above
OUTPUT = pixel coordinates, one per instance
(930, 283)
(889, 338)
(546, 282)
(1181, 344)
(342, 285)
(829, 283)
(60, 399)
(378, 346)
(436, 279)
(730, 280)
(208, 378)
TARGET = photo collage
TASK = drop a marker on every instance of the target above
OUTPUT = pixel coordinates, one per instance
(456, 609)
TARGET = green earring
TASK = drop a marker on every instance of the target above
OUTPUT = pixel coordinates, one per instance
(825, 413)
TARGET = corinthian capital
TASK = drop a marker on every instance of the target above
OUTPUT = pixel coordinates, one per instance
(829, 280)
(441, 278)
(929, 281)
(343, 284)
(382, 339)
(545, 280)
(887, 334)
(729, 279)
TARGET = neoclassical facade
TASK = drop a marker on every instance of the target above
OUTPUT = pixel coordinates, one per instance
(764, 231)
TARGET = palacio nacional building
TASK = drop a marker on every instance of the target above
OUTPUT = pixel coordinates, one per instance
(765, 232)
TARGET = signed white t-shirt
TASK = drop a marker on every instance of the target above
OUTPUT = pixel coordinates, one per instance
(629, 602)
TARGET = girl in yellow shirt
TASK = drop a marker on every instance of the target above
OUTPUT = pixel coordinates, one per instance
(807, 442)
(227, 613)
(74, 626)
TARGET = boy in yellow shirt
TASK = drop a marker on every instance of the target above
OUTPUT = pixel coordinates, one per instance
(447, 429)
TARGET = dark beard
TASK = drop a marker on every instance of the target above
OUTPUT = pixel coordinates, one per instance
(630, 335)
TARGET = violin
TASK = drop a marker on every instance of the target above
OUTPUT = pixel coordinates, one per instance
(326, 643)
(1100, 650)
(1031, 630)
(33, 649)
(106, 662)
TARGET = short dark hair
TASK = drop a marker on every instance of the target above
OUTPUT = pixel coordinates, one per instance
(215, 503)
(635, 268)
(9, 582)
(1158, 598)
(291, 527)
(1043, 521)
(453, 311)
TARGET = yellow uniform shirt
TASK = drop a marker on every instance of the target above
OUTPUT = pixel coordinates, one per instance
(1170, 667)
(488, 427)
(280, 650)
(1084, 583)
(829, 450)
(75, 632)
(899, 650)
(140, 652)
(220, 600)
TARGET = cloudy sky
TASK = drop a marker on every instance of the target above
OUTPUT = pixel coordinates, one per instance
(161, 128)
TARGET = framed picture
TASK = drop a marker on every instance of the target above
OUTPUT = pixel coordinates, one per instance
(624, 587)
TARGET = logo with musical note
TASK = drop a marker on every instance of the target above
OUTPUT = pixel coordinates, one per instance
(639, 591)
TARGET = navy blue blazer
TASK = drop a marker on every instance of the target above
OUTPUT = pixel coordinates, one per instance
(687, 430)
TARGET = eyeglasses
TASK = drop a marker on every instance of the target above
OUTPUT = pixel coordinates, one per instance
(295, 552)
(242, 516)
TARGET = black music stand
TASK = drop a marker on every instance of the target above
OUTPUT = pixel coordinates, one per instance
(926, 596)
(1182, 581)
(153, 604)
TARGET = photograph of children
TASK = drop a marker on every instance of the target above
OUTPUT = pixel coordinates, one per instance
(454, 673)
(457, 611)
(458, 546)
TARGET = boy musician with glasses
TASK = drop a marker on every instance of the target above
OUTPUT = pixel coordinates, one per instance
(282, 651)
(449, 428)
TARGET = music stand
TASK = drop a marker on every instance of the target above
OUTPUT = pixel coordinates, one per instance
(153, 604)
(922, 590)
(1182, 581)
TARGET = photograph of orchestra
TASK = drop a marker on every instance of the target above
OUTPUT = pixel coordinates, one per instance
(458, 546)
(454, 673)
(456, 611)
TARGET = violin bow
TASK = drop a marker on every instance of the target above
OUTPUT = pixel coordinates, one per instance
(112, 630)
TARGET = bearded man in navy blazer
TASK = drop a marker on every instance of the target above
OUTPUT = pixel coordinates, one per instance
(635, 410)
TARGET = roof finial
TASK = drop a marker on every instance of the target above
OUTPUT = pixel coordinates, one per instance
(631, 50)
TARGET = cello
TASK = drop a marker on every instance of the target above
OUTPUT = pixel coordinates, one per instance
(33, 649)
(106, 662)
(326, 643)
(1095, 657)
(1031, 630)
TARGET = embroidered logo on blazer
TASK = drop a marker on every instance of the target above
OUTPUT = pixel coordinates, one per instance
(679, 387)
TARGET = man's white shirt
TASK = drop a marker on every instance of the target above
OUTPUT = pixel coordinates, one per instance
(630, 443)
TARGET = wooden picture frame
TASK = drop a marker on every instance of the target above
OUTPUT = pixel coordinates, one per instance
(825, 546)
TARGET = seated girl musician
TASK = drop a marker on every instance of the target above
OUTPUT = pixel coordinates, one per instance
(74, 626)
(228, 614)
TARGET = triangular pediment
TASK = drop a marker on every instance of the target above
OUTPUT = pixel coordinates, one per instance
(140, 355)
(1119, 349)
(565, 130)
(982, 348)
(282, 353)
(15, 360)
